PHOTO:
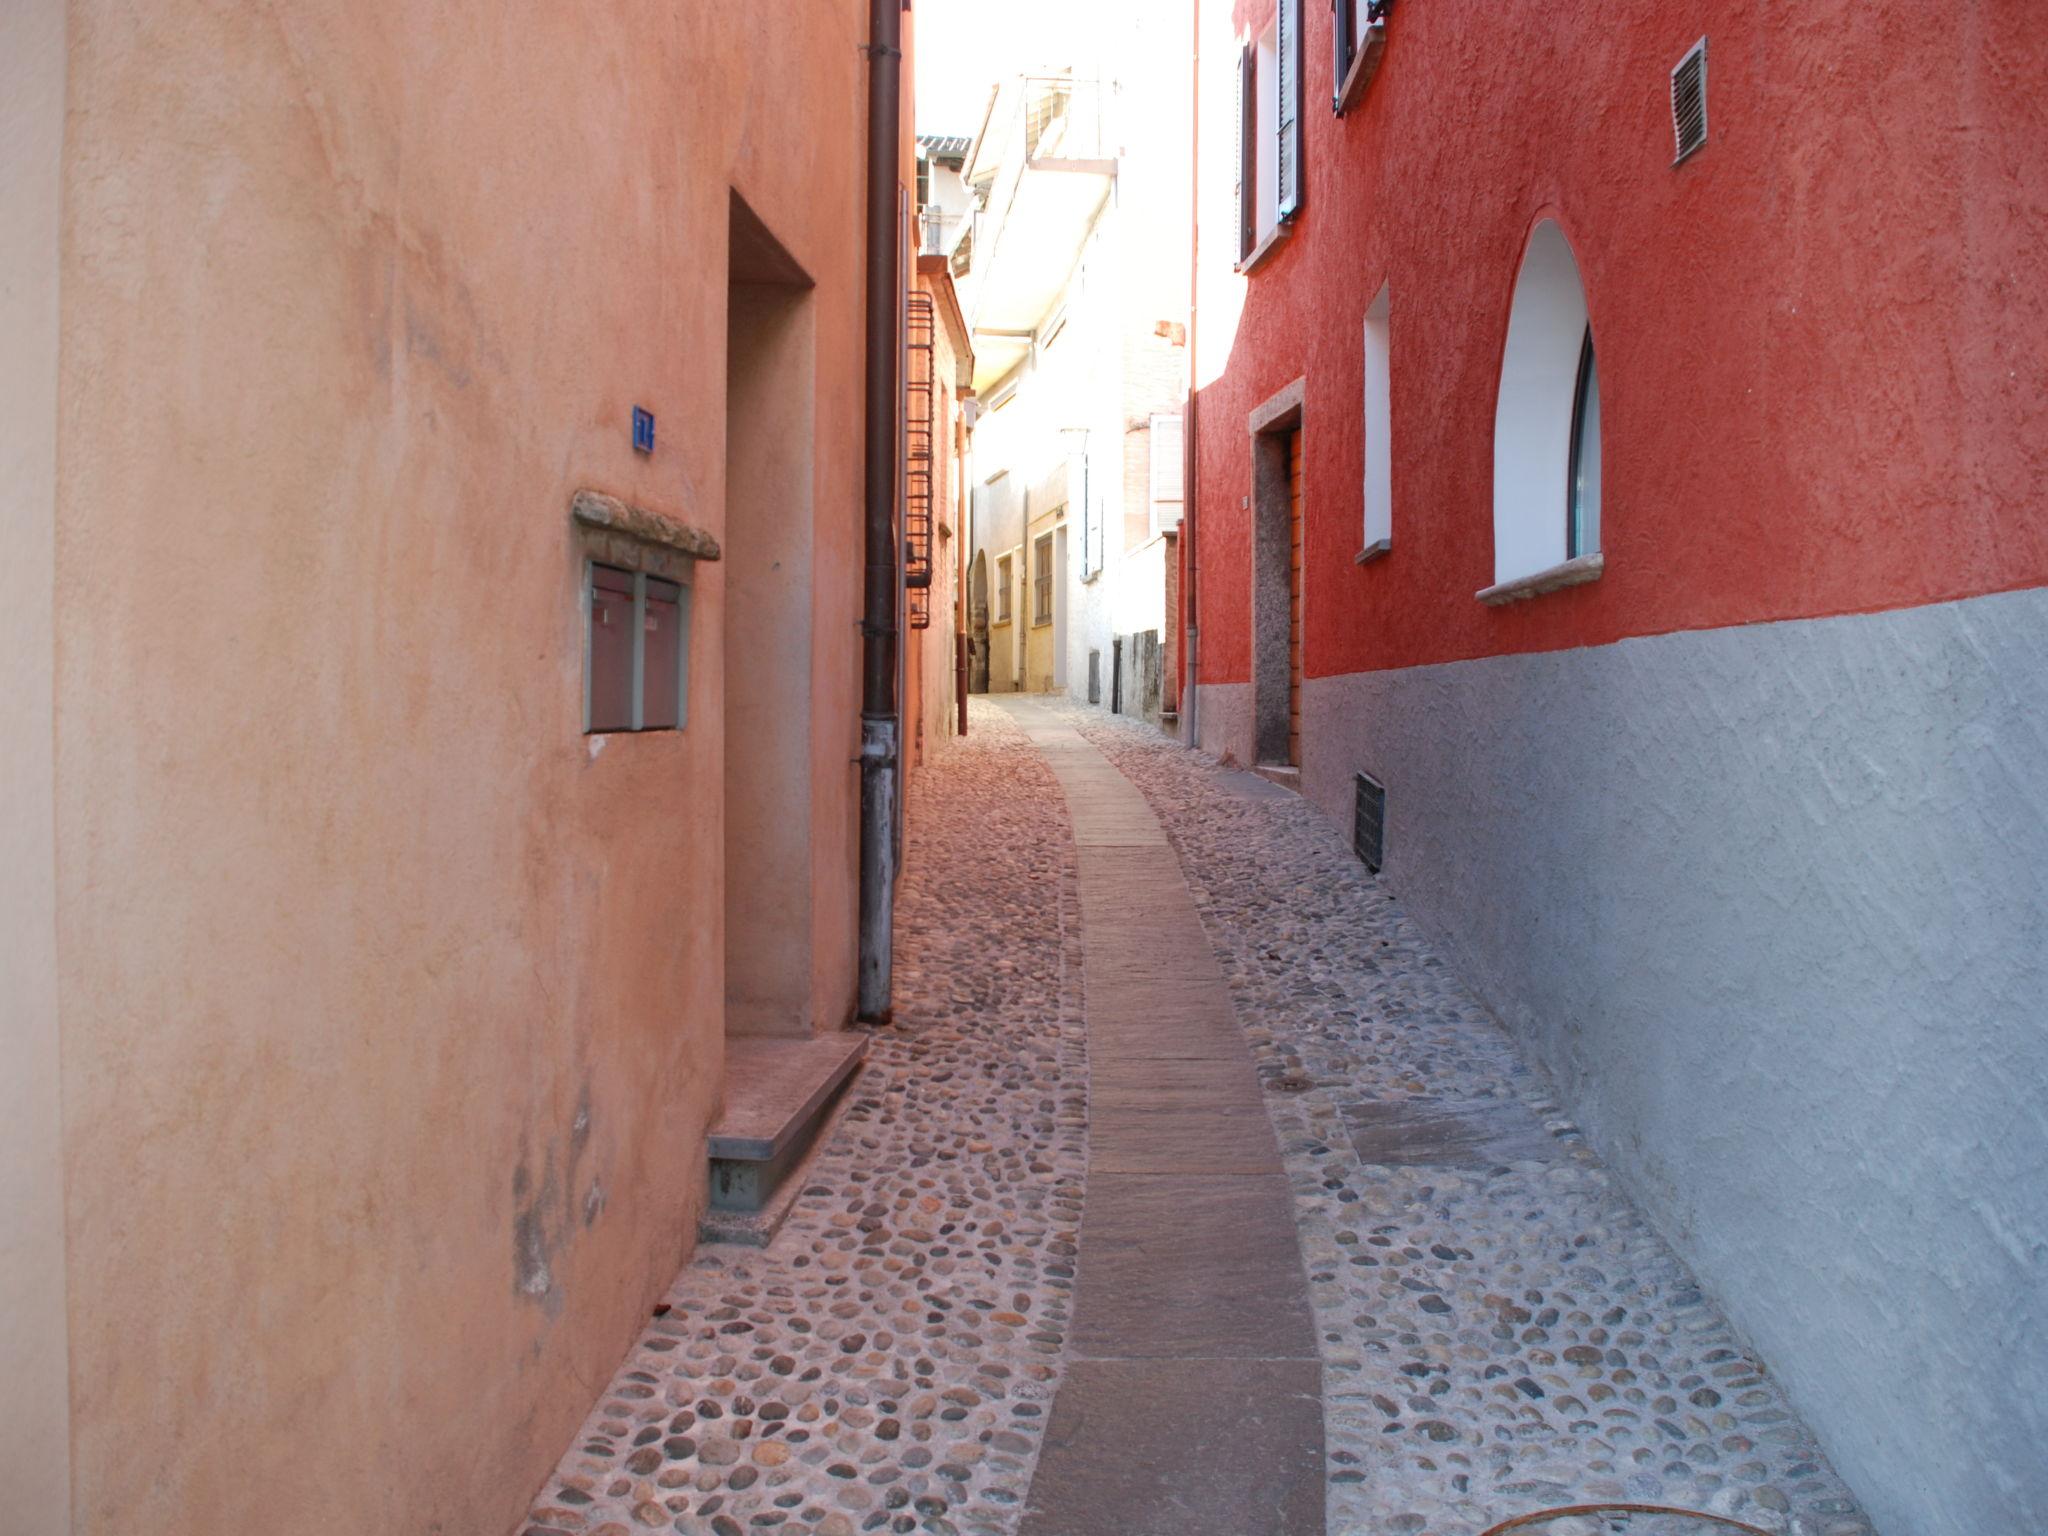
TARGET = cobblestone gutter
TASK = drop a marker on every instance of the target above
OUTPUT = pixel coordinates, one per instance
(888, 1364)
(1501, 1331)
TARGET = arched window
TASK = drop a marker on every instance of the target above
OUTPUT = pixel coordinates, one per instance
(1546, 422)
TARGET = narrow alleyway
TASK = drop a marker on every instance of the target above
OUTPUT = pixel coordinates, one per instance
(1189, 1191)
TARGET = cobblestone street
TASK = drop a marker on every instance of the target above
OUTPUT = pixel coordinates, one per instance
(1498, 1329)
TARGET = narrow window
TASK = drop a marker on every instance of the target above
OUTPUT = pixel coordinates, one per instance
(1041, 579)
(1343, 47)
(1546, 420)
(1247, 151)
(1583, 536)
(639, 652)
(1004, 576)
(1265, 163)
(1287, 109)
(1379, 446)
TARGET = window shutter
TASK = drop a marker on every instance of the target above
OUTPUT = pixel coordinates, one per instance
(1247, 151)
(1342, 13)
(1288, 55)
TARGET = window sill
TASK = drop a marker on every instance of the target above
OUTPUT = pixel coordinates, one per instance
(1571, 573)
(1270, 242)
(1372, 551)
(1364, 65)
(1041, 623)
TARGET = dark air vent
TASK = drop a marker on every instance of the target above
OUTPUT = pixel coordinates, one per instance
(1369, 827)
(1689, 100)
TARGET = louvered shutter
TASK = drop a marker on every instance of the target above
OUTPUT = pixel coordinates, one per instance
(1288, 95)
(1247, 152)
(1341, 14)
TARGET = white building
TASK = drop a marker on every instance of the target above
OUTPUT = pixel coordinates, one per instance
(1074, 272)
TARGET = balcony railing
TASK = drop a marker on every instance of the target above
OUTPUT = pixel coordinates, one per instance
(935, 231)
(1062, 119)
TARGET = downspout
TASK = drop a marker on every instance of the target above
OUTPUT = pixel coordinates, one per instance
(880, 727)
(964, 468)
(1191, 500)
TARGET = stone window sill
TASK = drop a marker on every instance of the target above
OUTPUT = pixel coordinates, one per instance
(1570, 574)
(1274, 238)
(1372, 551)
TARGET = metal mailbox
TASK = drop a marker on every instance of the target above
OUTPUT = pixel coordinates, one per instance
(611, 649)
(661, 630)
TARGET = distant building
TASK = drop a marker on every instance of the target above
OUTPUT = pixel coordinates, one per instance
(1075, 280)
(1619, 509)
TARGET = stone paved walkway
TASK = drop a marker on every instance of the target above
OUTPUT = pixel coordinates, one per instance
(1495, 1328)
(889, 1363)
(1192, 1404)
(1501, 1331)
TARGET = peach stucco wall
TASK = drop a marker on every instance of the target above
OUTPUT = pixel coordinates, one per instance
(391, 1009)
(34, 1448)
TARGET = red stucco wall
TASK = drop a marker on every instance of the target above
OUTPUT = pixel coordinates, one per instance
(1823, 339)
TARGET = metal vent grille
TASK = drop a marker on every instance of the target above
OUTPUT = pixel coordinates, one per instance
(1369, 822)
(1689, 100)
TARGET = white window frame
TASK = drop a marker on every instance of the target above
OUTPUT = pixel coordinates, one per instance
(1378, 498)
(1536, 417)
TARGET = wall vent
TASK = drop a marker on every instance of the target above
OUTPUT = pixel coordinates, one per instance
(1689, 100)
(1369, 823)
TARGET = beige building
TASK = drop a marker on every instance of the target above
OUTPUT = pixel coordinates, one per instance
(394, 859)
(938, 386)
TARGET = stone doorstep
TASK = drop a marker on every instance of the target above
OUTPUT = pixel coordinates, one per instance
(1286, 775)
(785, 1182)
(775, 1087)
(780, 1095)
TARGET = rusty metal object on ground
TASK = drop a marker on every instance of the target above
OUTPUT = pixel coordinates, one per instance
(1622, 1520)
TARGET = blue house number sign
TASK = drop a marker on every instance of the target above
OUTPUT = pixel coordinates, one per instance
(643, 430)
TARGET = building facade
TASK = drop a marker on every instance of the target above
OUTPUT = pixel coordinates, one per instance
(431, 718)
(1076, 276)
(938, 387)
(1619, 509)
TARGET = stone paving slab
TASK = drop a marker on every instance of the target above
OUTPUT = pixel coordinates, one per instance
(1433, 1133)
(1200, 1448)
(1193, 1267)
(1188, 1245)
(1193, 1137)
(1230, 1085)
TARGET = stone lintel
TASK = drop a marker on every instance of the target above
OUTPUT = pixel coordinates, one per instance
(607, 515)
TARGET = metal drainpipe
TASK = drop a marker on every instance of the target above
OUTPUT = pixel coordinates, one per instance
(1190, 543)
(880, 728)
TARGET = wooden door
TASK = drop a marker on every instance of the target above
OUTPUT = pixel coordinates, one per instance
(1294, 567)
